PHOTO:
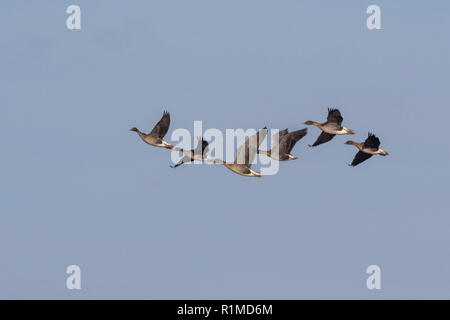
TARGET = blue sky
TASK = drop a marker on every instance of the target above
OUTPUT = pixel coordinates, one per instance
(78, 188)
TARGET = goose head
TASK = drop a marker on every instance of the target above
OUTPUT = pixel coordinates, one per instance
(267, 153)
(348, 131)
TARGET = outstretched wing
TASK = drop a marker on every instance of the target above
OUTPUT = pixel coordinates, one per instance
(360, 157)
(277, 137)
(202, 146)
(372, 142)
(288, 141)
(324, 137)
(246, 153)
(162, 126)
(334, 116)
(205, 146)
(185, 159)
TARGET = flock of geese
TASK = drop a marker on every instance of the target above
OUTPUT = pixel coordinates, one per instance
(282, 145)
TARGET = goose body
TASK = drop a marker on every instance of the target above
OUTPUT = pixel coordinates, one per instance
(245, 155)
(330, 128)
(368, 148)
(199, 153)
(283, 143)
(155, 137)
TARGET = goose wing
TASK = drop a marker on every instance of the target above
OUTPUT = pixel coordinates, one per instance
(288, 141)
(324, 137)
(334, 116)
(162, 126)
(185, 159)
(360, 157)
(246, 152)
(202, 146)
(277, 137)
(372, 142)
(205, 146)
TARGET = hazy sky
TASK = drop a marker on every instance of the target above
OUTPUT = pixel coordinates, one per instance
(77, 187)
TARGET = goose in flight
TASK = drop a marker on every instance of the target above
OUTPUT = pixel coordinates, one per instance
(283, 142)
(367, 149)
(155, 137)
(245, 155)
(199, 153)
(332, 127)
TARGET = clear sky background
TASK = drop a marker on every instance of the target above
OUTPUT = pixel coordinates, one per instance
(77, 187)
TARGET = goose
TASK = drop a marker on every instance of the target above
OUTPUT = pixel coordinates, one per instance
(283, 142)
(367, 149)
(199, 153)
(155, 137)
(332, 127)
(245, 155)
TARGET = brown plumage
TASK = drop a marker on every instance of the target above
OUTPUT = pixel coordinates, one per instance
(155, 137)
(330, 128)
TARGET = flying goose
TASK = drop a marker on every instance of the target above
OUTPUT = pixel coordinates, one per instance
(155, 138)
(367, 149)
(199, 153)
(330, 128)
(283, 142)
(245, 155)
